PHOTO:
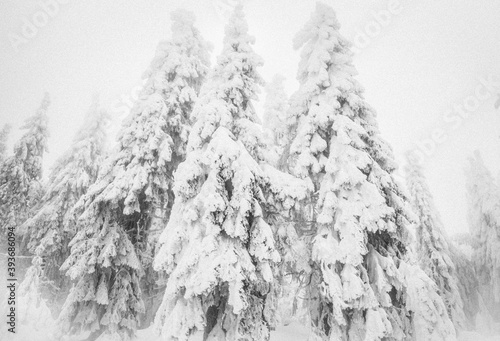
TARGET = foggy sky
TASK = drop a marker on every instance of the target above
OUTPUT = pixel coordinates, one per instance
(423, 65)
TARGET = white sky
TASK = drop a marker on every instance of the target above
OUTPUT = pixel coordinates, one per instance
(416, 67)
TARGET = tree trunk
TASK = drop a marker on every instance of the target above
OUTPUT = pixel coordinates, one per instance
(211, 316)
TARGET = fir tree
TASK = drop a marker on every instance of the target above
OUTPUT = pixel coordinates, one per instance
(21, 173)
(52, 227)
(432, 249)
(218, 247)
(360, 216)
(468, 285)
(283, 300)
(484, 222)
(430, 319)
(275, 128)
(123, 210)
(20, 190)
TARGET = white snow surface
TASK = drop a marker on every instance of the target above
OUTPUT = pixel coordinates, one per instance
(292, 332)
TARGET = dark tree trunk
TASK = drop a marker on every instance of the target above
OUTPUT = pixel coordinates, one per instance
(211, 316)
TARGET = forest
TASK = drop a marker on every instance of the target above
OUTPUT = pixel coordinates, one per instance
(208, 220)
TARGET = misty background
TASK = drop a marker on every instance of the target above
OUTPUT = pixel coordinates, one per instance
(420, 63)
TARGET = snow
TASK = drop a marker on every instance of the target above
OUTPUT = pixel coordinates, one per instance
(475, 336)
(432, 247)
(357, 202)
(207, 222)
(291, 332)
(122, 211)
(484, 220)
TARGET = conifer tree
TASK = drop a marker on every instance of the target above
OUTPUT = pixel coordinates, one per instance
(429, 315)
(468, 285)
(218, 247)
(432, 249)
(477, 314)
(122, 212)
(360, 216)
(52, 226)
(484, 223)
(21, 173)
(274, 123)
(283, 299)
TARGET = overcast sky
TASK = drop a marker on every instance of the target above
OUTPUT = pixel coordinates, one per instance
(419, 61)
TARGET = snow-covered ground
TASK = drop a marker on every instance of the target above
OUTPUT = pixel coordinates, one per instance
(474, 336)
(292, 332)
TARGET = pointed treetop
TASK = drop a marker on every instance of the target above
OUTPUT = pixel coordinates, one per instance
(183, 28)
(276, 84)
(95, 123)
(412, 160)
(238, 40)
(40, 117)
(227, 96)
(41, 112)
(183, 58)
(276, 103)
(236, 26)
(45, 101)
(476, 167)
(476, 157)
(182, 18)
(481, 186)
(323, 20)
(326, 58)
(34, 142)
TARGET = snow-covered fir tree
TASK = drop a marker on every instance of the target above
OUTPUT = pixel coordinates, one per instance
(112, 252)
(484, 223)
(466, 277)
(52, 227)
(274, 122)
(429, 317)
(218, 247)
(477, 313)
(284, 302)
(4, 135)
(20, 174)
(292, 249)
(432, 249)
(360, 217)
